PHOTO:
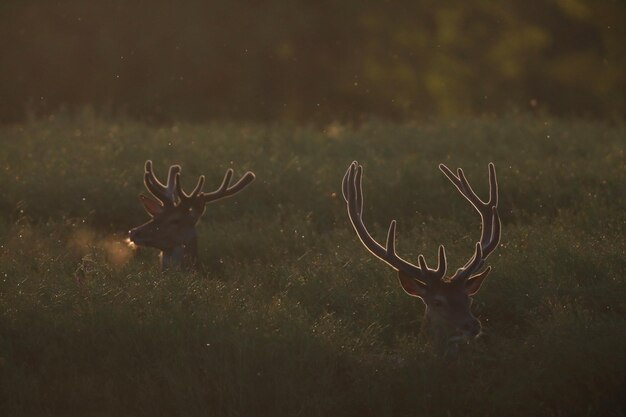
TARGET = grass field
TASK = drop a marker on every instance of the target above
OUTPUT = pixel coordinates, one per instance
(290, 316)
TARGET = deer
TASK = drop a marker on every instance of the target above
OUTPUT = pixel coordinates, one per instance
(448, 319)
(174, 215)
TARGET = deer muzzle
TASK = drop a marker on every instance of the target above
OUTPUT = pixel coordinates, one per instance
(137, 237)
(471, 328)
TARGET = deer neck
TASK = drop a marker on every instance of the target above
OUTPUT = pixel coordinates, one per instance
(183, 256)
(439, 334)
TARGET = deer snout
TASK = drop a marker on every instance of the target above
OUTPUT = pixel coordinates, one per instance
(133, 235)
(471, 328)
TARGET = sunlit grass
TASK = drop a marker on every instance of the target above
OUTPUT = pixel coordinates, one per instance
(289, 315)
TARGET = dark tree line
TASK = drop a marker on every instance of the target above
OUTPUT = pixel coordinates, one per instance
(312, 60)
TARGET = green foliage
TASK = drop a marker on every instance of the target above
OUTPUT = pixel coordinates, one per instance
(289, 314)
(303, 60)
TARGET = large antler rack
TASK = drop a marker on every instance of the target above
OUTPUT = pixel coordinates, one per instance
(352, 188)
(171, 193)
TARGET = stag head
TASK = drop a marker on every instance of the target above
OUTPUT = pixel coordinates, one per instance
(447, 299)
(172, 228)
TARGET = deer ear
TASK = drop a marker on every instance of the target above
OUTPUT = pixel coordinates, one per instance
(472, 285)
(411, 286)
(152, 207)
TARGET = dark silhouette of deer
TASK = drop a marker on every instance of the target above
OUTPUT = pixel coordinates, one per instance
(448, 299)
(175, 214)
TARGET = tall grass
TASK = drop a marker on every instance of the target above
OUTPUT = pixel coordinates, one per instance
(289, 315)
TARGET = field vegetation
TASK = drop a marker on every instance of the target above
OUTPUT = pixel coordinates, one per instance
(289, 315)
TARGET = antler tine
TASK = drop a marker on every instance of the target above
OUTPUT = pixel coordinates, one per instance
(493, 185)
(352, 188)
(358, 181)
(442, 262)
(163, 192)
(391, 238)
(475, 262)
(184, 197)
(461, 183)
(490, 220)
(225, 190)
(494, 238)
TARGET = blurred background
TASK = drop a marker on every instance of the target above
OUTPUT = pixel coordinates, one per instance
(308, 61)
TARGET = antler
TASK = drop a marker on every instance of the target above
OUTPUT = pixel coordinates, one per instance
(225, 190)
(171, 192)
(352, 188)
(185, 198)
(490, 220)
(163, 192)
